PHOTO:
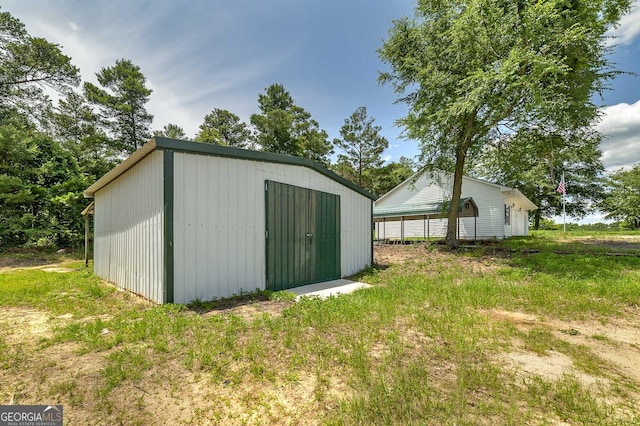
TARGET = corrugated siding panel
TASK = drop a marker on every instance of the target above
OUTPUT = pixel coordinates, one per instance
(219, 223)
(128, 247)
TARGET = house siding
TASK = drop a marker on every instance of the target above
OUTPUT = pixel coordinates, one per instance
(488, 197)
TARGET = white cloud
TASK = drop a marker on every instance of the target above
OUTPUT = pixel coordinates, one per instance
(596, 217)
(629, 26)
(187, 83)
(387, 158)
(620, 126)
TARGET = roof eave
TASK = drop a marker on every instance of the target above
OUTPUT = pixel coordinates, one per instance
(120, 168)
(219, 151)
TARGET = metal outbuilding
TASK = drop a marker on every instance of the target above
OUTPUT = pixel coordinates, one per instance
(179, 221)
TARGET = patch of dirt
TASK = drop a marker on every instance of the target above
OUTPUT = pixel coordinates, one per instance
(617, 342)
(253, 310)
(616, 242)
(46, 267)
(429, 259)
(167, 393)
(59, 269)
(551, 366)
(24, 325)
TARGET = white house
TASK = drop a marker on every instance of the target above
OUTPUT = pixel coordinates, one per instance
(417, 208)
(179, 221)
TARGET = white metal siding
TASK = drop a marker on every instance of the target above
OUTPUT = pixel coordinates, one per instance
(219, 223)
(129, 245)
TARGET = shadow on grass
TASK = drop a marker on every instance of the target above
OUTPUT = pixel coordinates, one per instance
(579, 260)
(202, 307)
(575, 260)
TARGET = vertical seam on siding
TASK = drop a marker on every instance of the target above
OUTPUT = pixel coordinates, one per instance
(371, 230)
(168, 226)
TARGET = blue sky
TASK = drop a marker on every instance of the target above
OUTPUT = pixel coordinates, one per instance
(200, 55)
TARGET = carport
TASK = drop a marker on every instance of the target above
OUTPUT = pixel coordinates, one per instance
(425, 212)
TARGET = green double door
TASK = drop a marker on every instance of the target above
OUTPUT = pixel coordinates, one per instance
(302, 235)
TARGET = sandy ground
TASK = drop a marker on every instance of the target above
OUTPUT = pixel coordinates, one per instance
(173, 394)
(617, 342)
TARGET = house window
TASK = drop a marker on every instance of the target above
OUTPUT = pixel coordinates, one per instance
(507, 215)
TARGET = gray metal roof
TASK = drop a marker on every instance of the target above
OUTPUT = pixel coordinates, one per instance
(218, 151)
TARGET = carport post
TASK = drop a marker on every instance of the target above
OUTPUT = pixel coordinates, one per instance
(402, 231)
(376, 228)
(86, 240)
(424, 227)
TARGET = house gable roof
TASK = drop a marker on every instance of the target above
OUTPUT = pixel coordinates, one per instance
(507, 191)
(167, 144)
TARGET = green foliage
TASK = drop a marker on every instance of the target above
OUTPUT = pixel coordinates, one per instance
(121, 101)
(222, 127)
(547, 224)
(622, 200)
(389, 176)
(285, 128)
(172, 131)
(431, 342)
(362, 145)
(77, 128)
(533, 159)
(379, 180)
(40, 191)
(26, 64)
(471, 68)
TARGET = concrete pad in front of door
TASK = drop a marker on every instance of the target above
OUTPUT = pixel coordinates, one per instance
(328, 288)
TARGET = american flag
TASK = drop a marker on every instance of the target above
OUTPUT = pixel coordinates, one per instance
(561, 187)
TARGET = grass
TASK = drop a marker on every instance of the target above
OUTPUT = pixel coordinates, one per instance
(420, 347)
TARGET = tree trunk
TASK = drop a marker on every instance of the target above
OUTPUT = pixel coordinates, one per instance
(536, 219)
(462, 146)
(452, 225)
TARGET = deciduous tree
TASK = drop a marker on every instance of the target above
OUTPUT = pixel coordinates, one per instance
(40, 190)
(470, 68)
(533, 160)
(622, 200)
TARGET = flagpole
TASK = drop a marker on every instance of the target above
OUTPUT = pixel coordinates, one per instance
(564, 205)
(564, 214)
(562, 188)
